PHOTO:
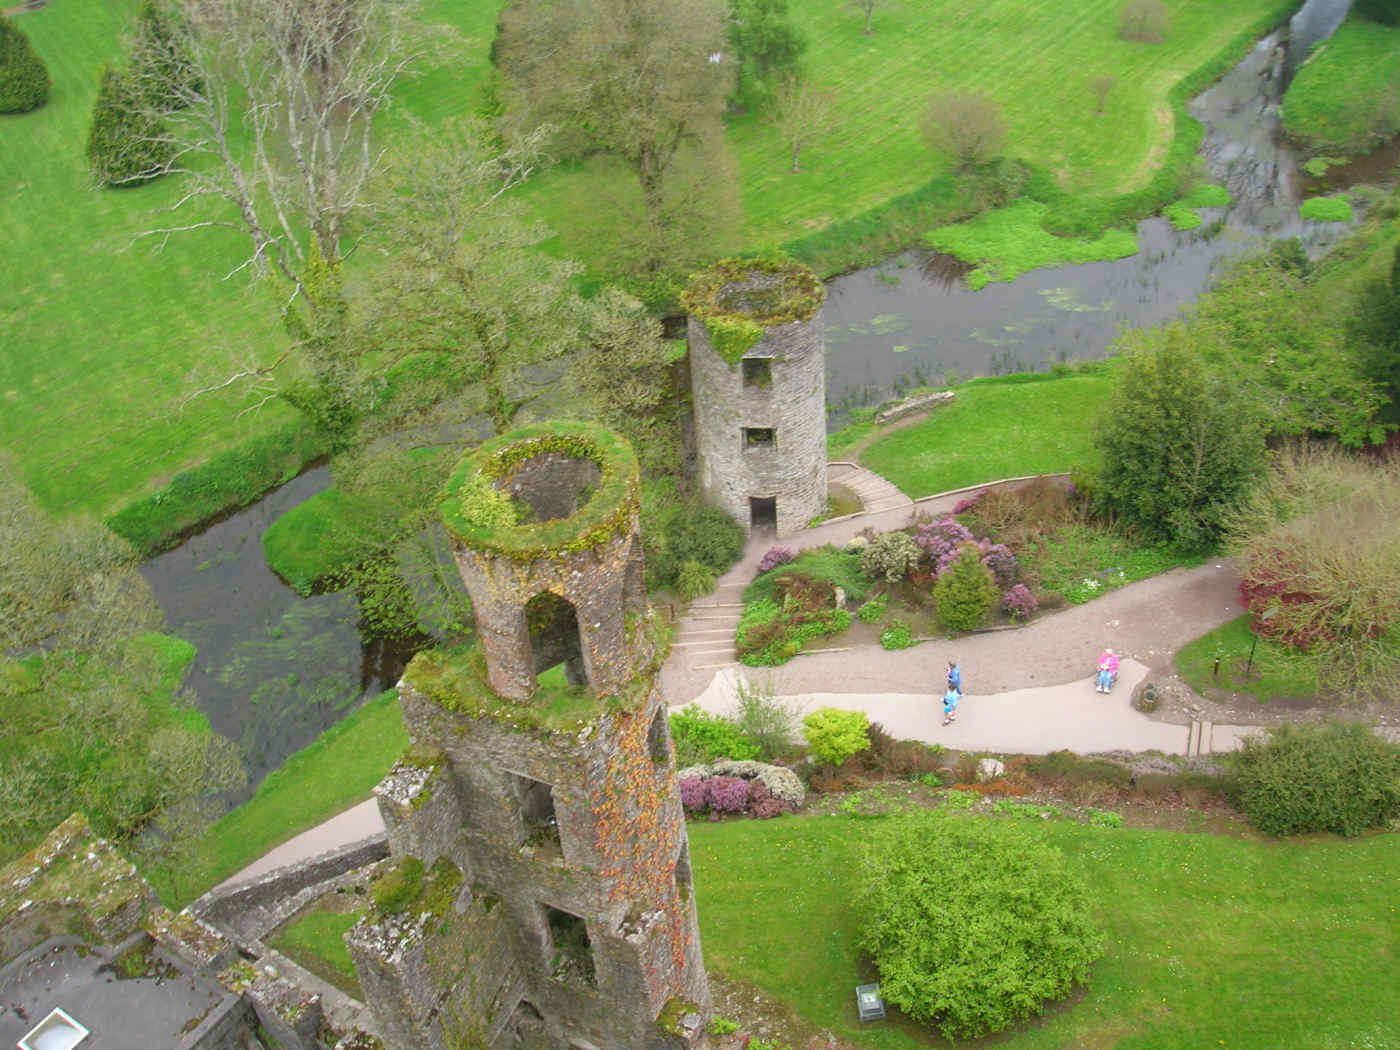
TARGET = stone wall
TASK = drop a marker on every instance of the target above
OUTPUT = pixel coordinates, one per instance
(792, 404)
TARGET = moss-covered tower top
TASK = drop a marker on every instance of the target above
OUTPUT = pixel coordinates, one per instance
(737, 299)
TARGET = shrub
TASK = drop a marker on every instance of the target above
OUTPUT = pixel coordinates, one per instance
(840, 568)
(940, 541)
(872, 610)
(700, 737)
(676, 531)
(165, 70)
(1386, 12)
(1338, 777)
(896, 636)
(1000, 562)
(966, 125)
(774, 557)
(694, 580)
(973, 924)
(125, 145)
(770, 634)
(1143, 21)
(695, 794)
(728, 794)
(890, 557)
(835, 735)
(765, 720)
(966, 592)
(968, 503)
(1327, 209)
(1019, 603)
(398, 887)
(24, 82)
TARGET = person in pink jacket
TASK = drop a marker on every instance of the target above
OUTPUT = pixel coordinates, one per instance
(1108, 670)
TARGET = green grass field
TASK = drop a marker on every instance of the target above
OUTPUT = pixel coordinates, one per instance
(104, 344)
(317, 942)
(1278, 672)
(316, 783)
(1212, 942)
(998, 428)
(1341, 95)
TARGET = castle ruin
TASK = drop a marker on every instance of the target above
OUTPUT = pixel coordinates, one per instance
(758, 374)
(540, 895)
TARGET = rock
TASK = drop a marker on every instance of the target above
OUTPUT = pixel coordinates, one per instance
(702, 772)
(989, 769)
(780, 781)
(918, 403)
(840, 597)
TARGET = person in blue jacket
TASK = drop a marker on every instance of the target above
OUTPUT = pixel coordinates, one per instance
(955, 677)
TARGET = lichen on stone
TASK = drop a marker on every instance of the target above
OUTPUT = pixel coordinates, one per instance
(738, 299)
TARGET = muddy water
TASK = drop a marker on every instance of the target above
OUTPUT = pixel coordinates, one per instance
(273, 669)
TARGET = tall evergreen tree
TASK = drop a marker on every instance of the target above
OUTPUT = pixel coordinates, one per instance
(24, 82)
(125, 144)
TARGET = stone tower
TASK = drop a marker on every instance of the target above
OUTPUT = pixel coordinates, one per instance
(758, 373)
(540, 892)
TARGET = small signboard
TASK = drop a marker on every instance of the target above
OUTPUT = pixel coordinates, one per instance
(868, 1002)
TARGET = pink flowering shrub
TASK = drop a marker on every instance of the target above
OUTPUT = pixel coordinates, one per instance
(695, 795)
(997, 557)
(774, 557)
(968, 502)
(728, 794)
(942, 538)
(770, 808)
(1019, 602)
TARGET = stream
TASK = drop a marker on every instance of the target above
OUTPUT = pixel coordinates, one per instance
(274, 669)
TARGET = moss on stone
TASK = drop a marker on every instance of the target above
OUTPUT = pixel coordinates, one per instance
(405, 888)
(608, 512)
(672, 1016)
(738, 299)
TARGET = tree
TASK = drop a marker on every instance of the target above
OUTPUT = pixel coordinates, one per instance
(1180, 445)
(636, 79)
(159, 44)
(467, 279)
(968, 125)
(867, 8)
(803, 114)
(81, 725)
(1101, 86)
(126, 144)
(1375, 330)
(761, 36)
(24, 82)
(1144, 21)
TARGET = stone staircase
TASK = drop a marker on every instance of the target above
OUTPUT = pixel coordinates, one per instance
(873, 491)
(706, 633)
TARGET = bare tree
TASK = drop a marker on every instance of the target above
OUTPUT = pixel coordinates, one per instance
(966, 124)
(867, 8)
(1101, 86)
(1144, 21)
(803, 113)
(281, 96)
(637, 79)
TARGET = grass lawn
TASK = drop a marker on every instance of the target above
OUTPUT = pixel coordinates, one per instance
(316, 783)
(1036, 58)
(1339, 96)
(1212, 942)
(1083, 562)
(317, 942)
(1278, 671)
(1002, 427)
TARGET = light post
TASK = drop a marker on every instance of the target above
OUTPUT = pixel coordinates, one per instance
(1264, 617)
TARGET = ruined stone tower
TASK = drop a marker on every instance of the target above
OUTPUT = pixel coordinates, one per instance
(541, 892)
(758, 373)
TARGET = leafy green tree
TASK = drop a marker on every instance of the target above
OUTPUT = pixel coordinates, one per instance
(167, 71)
(635, 79)
(81, 674)
(24, 82)
(762, 38)
(973, 924)
(1180, 445)
(126, 145)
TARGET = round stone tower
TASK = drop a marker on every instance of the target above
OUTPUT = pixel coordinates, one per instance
(544, 525)
(758, 374)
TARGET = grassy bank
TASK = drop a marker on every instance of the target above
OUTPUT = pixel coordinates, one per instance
(999, 427)
(1277, 671)
(1344, 97)
(1213, 942)
(316, 783)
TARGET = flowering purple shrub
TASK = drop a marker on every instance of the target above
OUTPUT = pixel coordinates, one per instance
(967, 503)
(774, 557)
(940, 541)
(728, 794)
(998, 558)
(695, 795)
(1019, 602)
(770, 808)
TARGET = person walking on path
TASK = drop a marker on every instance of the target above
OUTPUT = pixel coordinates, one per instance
(950, 705)
(955, 677)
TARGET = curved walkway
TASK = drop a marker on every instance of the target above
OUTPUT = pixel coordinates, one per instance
(873, 491)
